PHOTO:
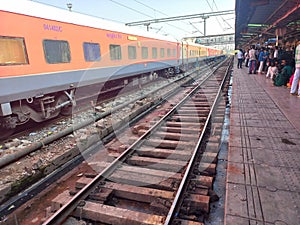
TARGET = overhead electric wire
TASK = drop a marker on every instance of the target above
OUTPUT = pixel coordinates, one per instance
(120, 4)
(147, 6)
(189, 23)
(179, 28)
(216, 17)
(125, 6)
(150, 7)
(103, 18)
(196, 28)
(230, 27)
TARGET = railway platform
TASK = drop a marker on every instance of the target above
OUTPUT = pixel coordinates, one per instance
(263, 173)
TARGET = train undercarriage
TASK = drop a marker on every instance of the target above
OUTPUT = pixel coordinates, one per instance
(45, 107)
(38, 109)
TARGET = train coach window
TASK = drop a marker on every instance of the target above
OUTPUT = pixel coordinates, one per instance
(12, 51)
(131, 52)
(115, 52)
(145, 52)
(169, 52)
(91, 51)
(56, 51)
(154, 53)
(162, 52)
(174, 52)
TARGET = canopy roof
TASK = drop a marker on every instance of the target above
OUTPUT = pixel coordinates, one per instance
(258, 21)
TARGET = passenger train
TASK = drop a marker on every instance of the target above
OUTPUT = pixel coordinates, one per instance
(47, 53)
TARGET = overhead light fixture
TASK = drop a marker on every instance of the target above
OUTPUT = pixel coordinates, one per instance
(248, 34)
(257, 25)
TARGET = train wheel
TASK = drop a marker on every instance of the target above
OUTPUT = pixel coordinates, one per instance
(66, 110)
(166, 73)
(171, 71)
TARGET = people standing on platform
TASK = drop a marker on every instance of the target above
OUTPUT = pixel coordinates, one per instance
(261, 58)
(252, 60)
(295, 82)
(266, 61)
(275, 54)
(246, 56)
(240, 56)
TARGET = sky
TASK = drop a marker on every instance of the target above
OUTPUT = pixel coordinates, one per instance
(138, 10)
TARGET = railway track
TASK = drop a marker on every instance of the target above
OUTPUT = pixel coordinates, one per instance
(41, 174)
(164, 177)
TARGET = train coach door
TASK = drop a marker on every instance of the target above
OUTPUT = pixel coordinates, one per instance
(198, 57)
(185, 60)
(187, 56)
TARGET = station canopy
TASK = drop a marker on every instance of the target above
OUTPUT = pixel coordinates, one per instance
(266, 22)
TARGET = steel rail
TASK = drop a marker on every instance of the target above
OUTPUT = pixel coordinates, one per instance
(184, 181)
(60, 215)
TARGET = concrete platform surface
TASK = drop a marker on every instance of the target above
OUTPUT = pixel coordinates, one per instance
(263, 174)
